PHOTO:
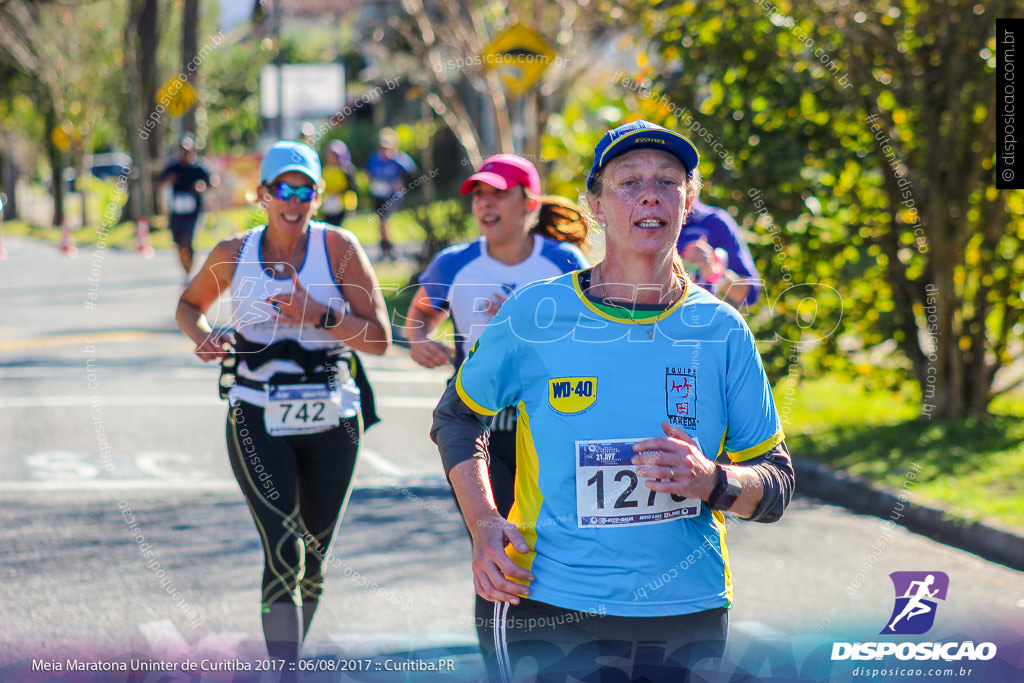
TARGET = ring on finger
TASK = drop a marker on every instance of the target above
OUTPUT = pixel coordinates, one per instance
(671, 473)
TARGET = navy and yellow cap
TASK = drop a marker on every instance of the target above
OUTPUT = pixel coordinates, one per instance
(642, 135)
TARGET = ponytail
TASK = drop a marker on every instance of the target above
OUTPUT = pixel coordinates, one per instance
(561, 221)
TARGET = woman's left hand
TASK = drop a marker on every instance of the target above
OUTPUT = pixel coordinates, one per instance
(699, 254)
(491, 305)
(675, 464)
(297, 308)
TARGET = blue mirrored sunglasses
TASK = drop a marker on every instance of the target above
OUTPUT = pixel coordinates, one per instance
(285, 191)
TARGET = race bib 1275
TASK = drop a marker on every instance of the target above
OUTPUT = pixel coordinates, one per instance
(610, 493)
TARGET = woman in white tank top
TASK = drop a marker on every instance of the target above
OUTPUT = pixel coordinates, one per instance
(301, 293)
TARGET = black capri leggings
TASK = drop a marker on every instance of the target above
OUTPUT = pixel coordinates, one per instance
(296, 488)
(542, 643)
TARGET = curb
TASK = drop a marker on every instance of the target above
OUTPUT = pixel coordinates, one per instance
(984, 539)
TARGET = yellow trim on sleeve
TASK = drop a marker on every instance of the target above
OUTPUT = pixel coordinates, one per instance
(759, 449)
(474, 406)
(528, 497)
(721, 447)
(719, 519)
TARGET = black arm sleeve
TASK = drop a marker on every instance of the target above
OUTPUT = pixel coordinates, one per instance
(775, 468)
(459, 432)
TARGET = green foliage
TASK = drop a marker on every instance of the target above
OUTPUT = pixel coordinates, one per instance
(232, 82)
(572, 134)
(777, 97)
(969, 466)
(443, 223)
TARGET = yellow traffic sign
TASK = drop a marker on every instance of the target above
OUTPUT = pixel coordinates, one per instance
(520, 56)
(61, 138)
(177, 97)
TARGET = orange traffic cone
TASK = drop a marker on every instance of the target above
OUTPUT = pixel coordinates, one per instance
(142, 237)
(67, 242)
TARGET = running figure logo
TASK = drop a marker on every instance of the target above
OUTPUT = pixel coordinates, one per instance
(916, 595)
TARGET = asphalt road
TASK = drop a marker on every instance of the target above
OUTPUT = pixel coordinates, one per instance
(106, 413)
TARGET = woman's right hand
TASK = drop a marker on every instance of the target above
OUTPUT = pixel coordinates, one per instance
(431, 354)
(213, 346)
(492, 567)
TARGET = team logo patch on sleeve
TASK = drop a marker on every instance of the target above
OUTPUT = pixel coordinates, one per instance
(569, 395)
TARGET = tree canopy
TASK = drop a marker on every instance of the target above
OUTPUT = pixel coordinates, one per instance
(853, 140)
(860, 144)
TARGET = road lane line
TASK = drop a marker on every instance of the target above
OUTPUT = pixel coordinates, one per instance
(77, 339)
(186, 400)
(205, 485)
(380, 463)
(198, 373)
(431, 481)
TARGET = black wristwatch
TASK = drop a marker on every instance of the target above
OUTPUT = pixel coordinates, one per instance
(329, 319)
(727, 489)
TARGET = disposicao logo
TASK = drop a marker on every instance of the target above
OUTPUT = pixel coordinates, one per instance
(913, 613)
(917, 594)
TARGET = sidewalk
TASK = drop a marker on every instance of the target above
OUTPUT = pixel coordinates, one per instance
(986, 539)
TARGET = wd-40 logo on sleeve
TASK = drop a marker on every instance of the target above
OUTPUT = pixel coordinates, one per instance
(568, 395)
(916, 596)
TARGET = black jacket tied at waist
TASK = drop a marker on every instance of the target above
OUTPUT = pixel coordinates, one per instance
(312, 361)
(257, 355)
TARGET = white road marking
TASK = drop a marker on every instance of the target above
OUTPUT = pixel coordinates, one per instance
(192, 373)
(164, 638)
(196, 485)
(175, 400)
(168, 643)
(430, 481)
(757, 630)
(370, 644)
(381, 464)
(71, 471)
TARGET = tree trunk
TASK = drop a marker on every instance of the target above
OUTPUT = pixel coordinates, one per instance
(78, 163)
(144, 120)
(56, 159)
(148, 41)
(427, 153)
(9, 183)
(189, 49)
(945, 369)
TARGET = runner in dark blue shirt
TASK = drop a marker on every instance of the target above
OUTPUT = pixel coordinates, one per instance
(188, 182)
(716, 255)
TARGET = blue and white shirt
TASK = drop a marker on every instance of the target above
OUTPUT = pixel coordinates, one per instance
(461, 279)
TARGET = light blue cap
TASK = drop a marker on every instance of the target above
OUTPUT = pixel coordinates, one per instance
(288, 155)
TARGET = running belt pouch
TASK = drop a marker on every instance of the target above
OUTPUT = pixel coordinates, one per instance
(228, 377)
(367, 404)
